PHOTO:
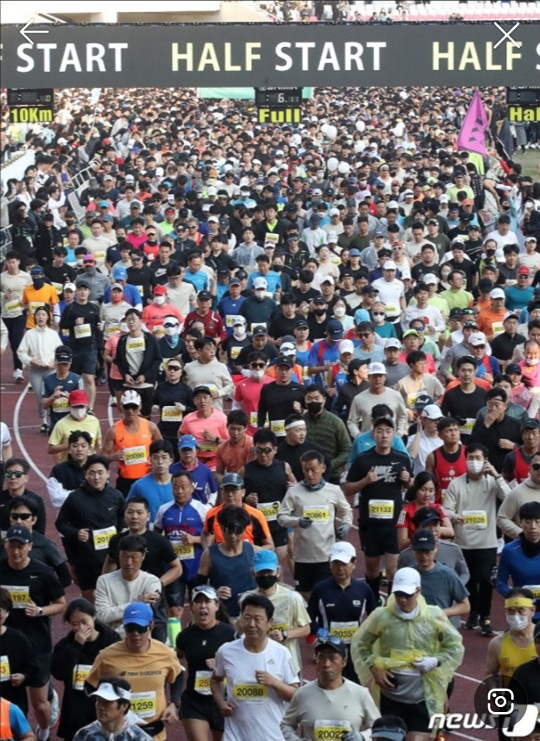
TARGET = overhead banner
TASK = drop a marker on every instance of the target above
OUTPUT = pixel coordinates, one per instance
(258, 55)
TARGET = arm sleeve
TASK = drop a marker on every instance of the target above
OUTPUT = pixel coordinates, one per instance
(57, 493)
(505, 517)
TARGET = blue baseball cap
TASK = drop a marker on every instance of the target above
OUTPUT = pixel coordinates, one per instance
(138, 613)
(119, 272)
(187, 441)
(265, 560)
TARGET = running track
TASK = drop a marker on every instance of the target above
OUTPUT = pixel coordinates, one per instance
(18, 412)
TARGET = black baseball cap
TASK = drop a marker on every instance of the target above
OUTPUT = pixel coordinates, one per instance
(423, 540)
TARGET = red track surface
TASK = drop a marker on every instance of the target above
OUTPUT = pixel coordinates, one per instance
(18, 412)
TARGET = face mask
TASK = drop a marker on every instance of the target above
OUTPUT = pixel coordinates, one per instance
(407, 615)
(517, 622)
(259, 295)
(266, 581)
(239, 334)
(314, 407)
(379, 318)
(532, 361)
(490, 253)
(120, 239)
(339, 311)
(171, 331)
(276, 268)
(257, 374)
(475, 466)
(159, 300)
(444, 276)
(38, 282)
(319, 312)
(78, 412)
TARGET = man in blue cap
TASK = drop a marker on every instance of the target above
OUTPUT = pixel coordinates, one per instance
(149, 664)
(205, 484)
(131, 293)
(290, 620)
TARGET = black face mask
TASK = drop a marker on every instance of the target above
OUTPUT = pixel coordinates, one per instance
(38, 282)
(151, 241)
(265, 581)
(314, 407)
(490, 253)
(319, 312)
(120, 239)
(277, 268)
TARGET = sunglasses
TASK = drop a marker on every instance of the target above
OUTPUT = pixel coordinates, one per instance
(535, 466)
(258, 365)
(167, 325)
(20, 515)
(403, 595)
(367, 334)
(133, 628)
(14, 474)
(263, 451)
(173, 367)
(234, 530)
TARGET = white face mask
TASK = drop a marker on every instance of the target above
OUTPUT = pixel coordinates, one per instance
(339, 311)
(171, 331)
(78, 412)
(475, 466)
(517, 622)
(239, 334)
(257, 374)
(159, 300)
(532, 361)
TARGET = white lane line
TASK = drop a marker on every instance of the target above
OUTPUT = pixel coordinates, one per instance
(16, 430)
(465, 735)
(466, 676)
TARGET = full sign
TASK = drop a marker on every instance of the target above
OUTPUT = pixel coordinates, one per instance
(258, 55)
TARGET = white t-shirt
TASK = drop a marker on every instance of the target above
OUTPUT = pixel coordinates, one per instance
(5, 438)
(258, 709)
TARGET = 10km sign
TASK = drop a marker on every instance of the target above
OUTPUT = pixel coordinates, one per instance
(31, 114)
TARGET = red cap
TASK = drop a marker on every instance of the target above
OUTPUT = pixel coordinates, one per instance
(523, 270)
(160, 291)
(78, 398)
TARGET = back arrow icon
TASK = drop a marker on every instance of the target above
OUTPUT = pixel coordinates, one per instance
(25, 32)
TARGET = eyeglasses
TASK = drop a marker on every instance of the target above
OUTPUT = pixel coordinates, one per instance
(403, 595)
(263, 451)
(133, 628)
(20, 515)
(377, 313)
(258, 365)
(535, 466)
(14, 474)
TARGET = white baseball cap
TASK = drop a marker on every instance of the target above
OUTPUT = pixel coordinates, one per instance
(342, 551)
(130, 397)
(389, 265)
(429, 279)
(260, 283)
(346, 346)
(406, 580)
(432, 411)
(497, 293)
(477, 338)
(376, 369)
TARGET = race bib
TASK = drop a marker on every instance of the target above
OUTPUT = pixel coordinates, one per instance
(58, 287)
(345, 631)
(144, 704)
(33, 305)
(80, 673)
(183, 550)
(475, 519)
(235, 352)
(250, 692)
(202, 683)
(278, 426)
(60, 404)
(5, 670)
(391, 309)
(13, 305)
(171, 414)
(81, 331)
(280, 626)
(135, 455)
(20, 596)
(317, 514)
(229, 320)
(135, 344)
(411, 398)
(269, 510)
(206, 447)
(381, 509)
(497, 327)
(102, 536)
(253, 417)
(330, 730)
(467, 426)
(100, 256)
(111, 329)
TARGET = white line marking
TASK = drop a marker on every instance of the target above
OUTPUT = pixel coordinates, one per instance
(16, 430)
(466, 676)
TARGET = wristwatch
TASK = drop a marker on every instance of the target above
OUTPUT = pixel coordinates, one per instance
(285, 634)
(40, 611)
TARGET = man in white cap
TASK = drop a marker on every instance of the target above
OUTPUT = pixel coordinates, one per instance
(360, 413)
(426, 438)
(114, 718)
(410, 650)
(339, 604)
(490, 319)
(391, 292)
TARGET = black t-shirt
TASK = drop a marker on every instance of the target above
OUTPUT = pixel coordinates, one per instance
(198, 645)
(20, 655)
(281, 326)
(159, 552)
(40, 584)
(166, 395)
(82, 321)
(380, 503)
(463, 406)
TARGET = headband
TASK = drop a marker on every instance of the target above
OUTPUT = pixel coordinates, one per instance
(519, 602)
(295, 423)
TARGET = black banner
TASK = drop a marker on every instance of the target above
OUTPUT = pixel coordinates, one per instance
(258, 55)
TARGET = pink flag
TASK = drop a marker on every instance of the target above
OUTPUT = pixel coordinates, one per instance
(475, 124)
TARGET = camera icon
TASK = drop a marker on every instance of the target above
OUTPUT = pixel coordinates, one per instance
(500, 701)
